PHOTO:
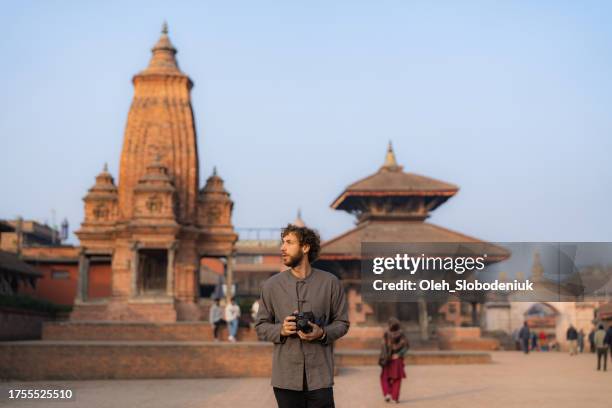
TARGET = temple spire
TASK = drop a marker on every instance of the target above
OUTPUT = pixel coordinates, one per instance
(164, 40)
(163, 60)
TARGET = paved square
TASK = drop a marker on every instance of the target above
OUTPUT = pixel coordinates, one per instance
(514, 380)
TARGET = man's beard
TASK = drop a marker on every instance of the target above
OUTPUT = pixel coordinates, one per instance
(294, 261)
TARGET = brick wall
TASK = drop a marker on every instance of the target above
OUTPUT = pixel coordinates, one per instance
(50, 360)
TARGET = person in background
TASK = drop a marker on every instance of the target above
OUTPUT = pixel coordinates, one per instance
(592, 340)
(524, 336)
(581, 341)
(602, 348)
(608, 339)
(394, 346)
(215, 317)
(543, 342)
(572, 340)
(254, 310)
(232, 314)
(534, 341)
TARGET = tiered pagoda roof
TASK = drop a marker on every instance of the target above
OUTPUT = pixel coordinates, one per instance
(391, 206)
(391, 181)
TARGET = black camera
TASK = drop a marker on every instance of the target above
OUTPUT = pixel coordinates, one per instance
(302, 319)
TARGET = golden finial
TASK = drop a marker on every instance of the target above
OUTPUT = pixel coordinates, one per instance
(390, 161)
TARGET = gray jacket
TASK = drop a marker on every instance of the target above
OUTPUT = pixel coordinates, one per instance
(215, 314)
(321, 293)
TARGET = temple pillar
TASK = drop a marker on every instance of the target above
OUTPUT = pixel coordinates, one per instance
(83, 278)
(134, 269)
(170, 269)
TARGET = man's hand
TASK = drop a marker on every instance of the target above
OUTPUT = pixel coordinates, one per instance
(288, 328)
(315, 334)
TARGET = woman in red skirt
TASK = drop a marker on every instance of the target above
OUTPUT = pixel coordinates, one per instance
(394, 346)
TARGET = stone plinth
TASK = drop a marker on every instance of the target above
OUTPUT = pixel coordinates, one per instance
(125, 311)
(138, 331)
(348, 358)
(459, 332)
(89, 360)
(362, 338)
(465, 338)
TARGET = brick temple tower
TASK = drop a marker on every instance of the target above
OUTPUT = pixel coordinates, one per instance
(153, 228)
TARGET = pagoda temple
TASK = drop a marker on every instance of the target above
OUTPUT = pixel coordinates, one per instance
(390, 206)
(152, 229)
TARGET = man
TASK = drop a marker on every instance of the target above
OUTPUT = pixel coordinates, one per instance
(581, 341)
(592, 340)
(524, 336)
(232, 314)
(608, 339)
(303, 359)
(602, 348)
(215, 317)
(254, 310)
(572, 340)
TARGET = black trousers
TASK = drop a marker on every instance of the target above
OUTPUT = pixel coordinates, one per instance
(218, 325)
(525, 344)
(321, 398)
(602, 353)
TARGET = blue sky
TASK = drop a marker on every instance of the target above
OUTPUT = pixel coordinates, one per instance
(293, 101)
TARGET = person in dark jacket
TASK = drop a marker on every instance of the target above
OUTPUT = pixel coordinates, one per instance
(215, 318)
(592, 340)
(602, 348)
(581, 341)
(524, 336)
(608, 339)
(534, 341)
(572, 340)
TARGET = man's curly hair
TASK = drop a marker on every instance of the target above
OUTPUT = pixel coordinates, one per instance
(305, 236)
